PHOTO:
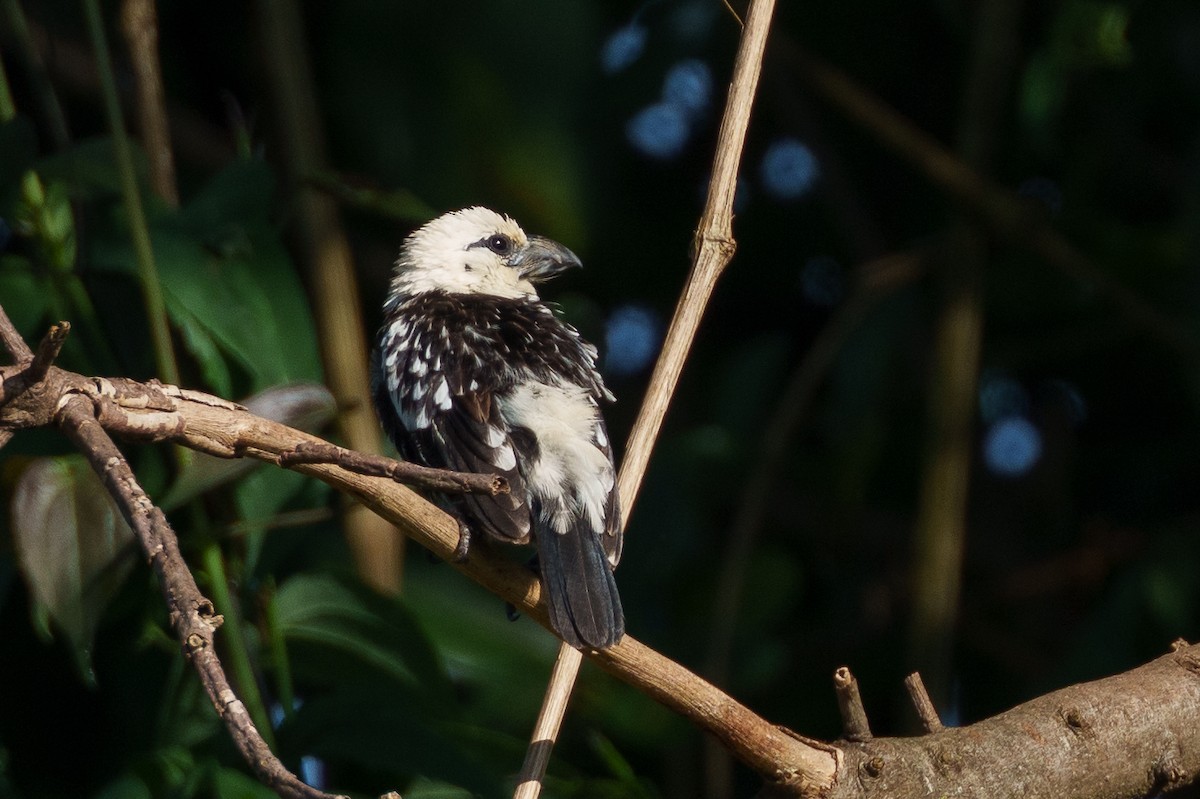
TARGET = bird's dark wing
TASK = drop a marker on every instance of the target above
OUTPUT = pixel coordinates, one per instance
(472, 437)
(438, 413)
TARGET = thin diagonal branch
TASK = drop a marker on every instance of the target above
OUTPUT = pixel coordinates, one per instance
(713, 248)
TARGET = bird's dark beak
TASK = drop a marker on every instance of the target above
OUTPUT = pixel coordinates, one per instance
(543, 258)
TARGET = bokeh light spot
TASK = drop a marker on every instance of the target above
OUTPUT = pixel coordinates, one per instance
(623, 47)
(659, 131)
(631, 339)
(689, 85)
(789, 169)
(1012, 446)
(314, 772)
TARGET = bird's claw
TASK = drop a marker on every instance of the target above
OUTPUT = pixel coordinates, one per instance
(462, 550)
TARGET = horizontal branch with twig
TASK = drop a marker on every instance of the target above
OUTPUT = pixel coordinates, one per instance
(1140, 724)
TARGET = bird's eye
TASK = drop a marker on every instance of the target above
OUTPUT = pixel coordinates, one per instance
(499, 244)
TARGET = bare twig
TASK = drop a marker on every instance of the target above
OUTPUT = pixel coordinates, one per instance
(51, 344)
(926, 712)
(855, 726)
(442, 480)
(713, 248)
(549, 720)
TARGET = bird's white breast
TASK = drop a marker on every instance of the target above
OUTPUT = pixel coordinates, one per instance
(571, 475)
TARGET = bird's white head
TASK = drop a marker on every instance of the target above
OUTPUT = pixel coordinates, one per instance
(477, 251)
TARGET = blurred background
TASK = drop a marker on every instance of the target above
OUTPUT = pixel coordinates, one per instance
(942, 413)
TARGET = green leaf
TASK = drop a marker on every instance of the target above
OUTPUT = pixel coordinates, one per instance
(73, 546)
(229, 284)
(250, 304)
(340, 618)
(44, 214)
(616, 763)
(240, 194)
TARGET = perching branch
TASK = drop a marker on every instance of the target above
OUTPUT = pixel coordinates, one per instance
(1125, 736)
(153, 412)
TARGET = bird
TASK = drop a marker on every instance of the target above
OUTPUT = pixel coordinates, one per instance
(473, 372)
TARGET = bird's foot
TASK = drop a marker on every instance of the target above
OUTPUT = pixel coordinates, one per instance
(462, 550)
(510, 610)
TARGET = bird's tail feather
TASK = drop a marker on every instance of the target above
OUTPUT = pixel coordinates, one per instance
(581, 593)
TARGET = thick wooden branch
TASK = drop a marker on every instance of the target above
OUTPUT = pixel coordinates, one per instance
(155, 412)
(1134, 734)
(1129, 735)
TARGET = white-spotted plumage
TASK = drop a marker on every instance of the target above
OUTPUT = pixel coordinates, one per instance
(474, 372)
